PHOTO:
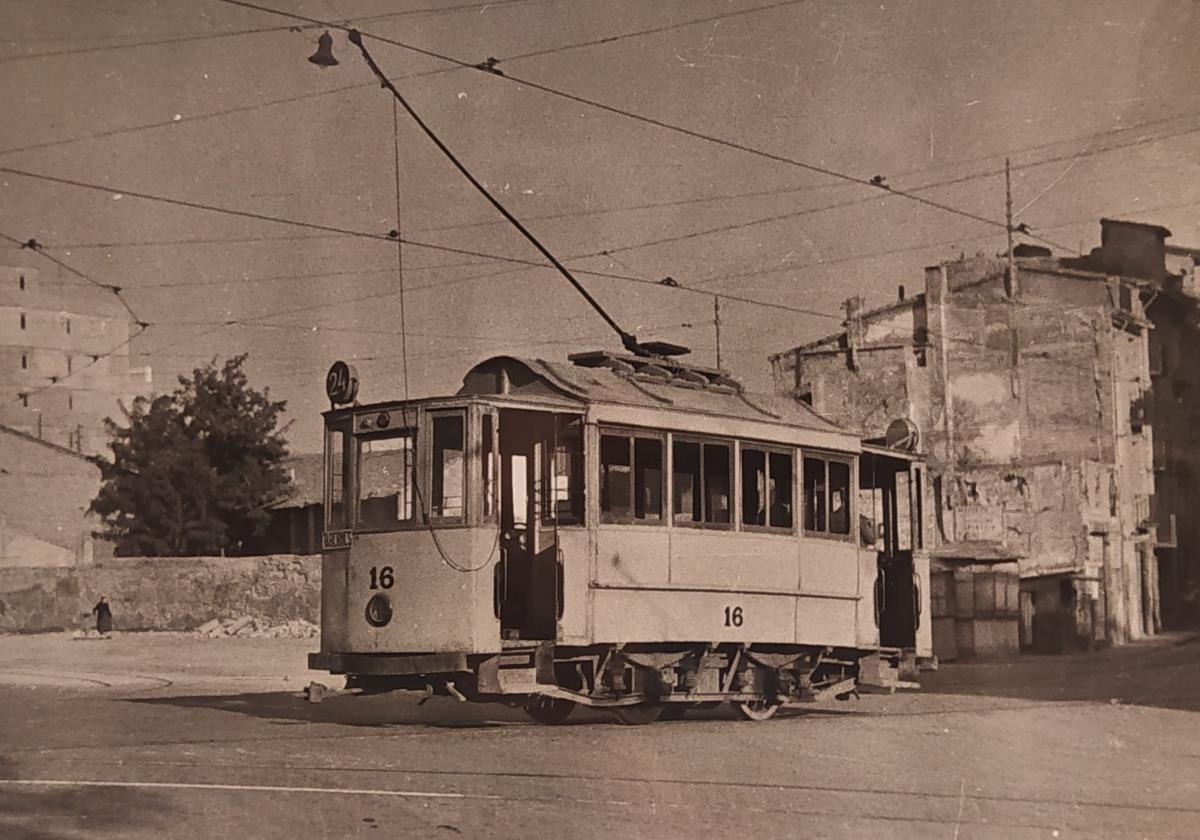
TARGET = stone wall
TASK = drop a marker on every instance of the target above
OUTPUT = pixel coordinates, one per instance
(161, 593)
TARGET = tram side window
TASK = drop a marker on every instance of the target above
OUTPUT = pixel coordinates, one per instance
(335, 480)
(686, 482)
(701, 482)
(631, 478)
(766, 488)
(448, 468)
(826, 496)
(385, 474)
(647, 479)
(615, 472)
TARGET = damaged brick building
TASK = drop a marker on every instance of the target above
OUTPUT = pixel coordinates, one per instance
(1030, 386)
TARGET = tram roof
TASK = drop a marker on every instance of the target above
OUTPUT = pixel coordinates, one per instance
(661, 385)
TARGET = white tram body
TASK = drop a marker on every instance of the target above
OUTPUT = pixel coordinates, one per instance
(617, 532)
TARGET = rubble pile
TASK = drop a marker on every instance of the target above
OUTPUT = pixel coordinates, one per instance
(251, 627)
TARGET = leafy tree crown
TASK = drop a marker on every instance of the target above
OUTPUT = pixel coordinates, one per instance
(194, 471)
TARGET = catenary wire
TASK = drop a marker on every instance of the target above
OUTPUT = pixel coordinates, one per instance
(36, 247)
(247, 214)
(211, 36)
(688, 132)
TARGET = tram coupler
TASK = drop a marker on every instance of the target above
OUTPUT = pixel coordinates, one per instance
(878, 674)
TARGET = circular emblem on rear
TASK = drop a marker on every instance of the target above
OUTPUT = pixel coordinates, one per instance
(379, 610)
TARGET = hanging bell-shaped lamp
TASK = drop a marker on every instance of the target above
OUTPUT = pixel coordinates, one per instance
(323, 57)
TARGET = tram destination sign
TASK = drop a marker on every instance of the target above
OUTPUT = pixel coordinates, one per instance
(332, 540)
(341, 383)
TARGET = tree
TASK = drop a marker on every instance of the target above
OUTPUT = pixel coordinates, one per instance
(194, 471)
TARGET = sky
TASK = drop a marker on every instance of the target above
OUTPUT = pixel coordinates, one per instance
(207, 102)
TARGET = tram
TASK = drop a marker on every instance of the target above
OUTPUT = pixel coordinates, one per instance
(616, 531)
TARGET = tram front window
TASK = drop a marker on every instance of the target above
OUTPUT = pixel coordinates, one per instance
(448, 467)
(335, 479)
(385, 471)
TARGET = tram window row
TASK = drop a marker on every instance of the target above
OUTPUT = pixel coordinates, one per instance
(635, 484)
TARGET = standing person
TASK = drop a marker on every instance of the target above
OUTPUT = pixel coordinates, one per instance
(103, 616)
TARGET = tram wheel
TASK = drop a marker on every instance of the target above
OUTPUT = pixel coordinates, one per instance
(757, 709)
(549, 710)
(638, 715)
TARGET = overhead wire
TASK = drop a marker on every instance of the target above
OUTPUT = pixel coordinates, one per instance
(875, 182)
(211, 36)
(627, 339)
(400, 246)
(695, 233)
(36, 247)
(265, 217)
(116, 291)
(636, 279)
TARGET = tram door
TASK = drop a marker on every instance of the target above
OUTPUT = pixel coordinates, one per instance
(889, 523)
(529, 575)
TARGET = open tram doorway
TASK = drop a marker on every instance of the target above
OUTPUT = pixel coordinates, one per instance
(890, 515)
(541, 475)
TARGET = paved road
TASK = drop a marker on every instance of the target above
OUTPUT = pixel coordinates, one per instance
(166, 736)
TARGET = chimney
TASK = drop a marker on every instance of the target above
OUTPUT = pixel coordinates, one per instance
(1133, 249)
(1024, 249)
(855, 330)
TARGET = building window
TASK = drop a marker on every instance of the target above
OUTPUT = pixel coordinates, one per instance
(68, 326)
(22, 320)
(1137, 414)
(24, 400)
(826, 496)
(24, 361)
(69, 365)
(631, 478)
(766, 488)
(70, 402)
(21, 283)
(700, 482)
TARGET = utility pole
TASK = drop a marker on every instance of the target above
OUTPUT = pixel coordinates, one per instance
(717, 324)
(1010, 286)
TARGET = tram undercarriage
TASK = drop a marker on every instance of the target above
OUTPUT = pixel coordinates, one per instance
(638, 683)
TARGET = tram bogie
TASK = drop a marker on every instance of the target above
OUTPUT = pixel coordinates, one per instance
(620, 533)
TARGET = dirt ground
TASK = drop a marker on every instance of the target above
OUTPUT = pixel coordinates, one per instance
(167, 735)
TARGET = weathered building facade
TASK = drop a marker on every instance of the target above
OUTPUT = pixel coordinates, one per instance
(45, 493)
(64, 360)
(1030, 384)
(1174, 310)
